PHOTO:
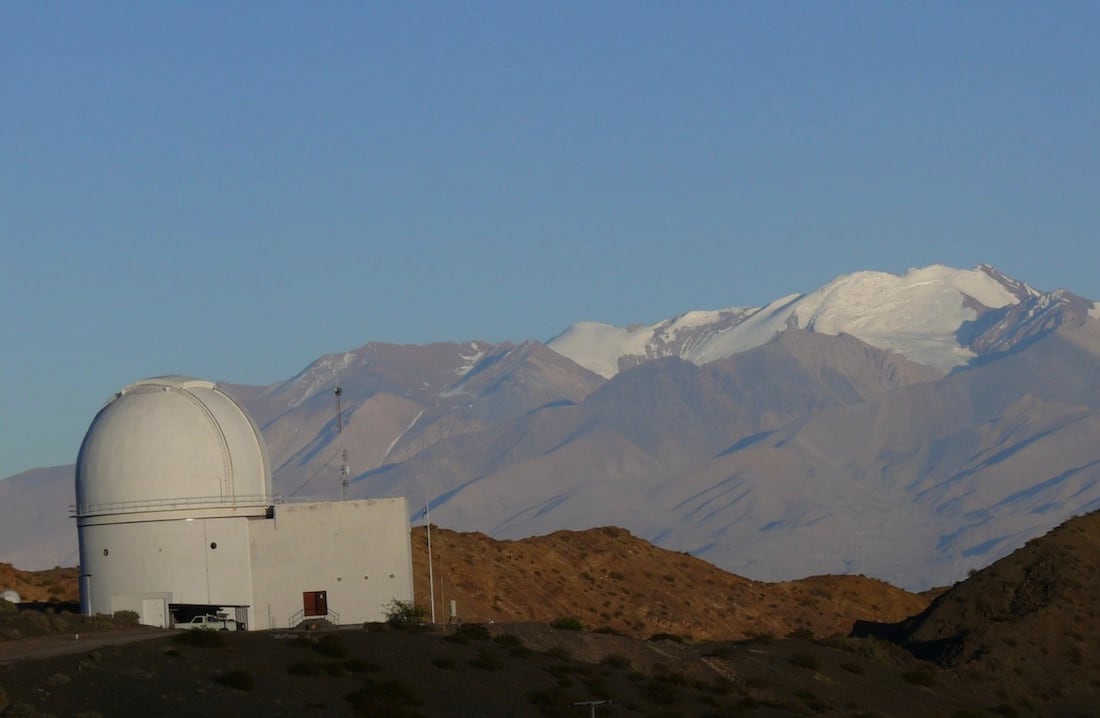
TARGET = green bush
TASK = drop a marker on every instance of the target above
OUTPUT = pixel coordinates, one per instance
(508, 640)
(404, 613)
(240, 680)
(513, 643)
(568, 623)
(126, 619)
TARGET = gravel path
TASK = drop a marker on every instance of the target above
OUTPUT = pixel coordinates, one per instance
(48, 646)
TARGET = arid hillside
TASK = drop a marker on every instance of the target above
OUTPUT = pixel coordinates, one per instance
(607, 577)
(55, 584)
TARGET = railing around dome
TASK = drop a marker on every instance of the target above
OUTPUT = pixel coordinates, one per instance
(193, 502)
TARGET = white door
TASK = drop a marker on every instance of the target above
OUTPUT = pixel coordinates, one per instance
(154, 612)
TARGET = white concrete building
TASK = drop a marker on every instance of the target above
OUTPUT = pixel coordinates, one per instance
(176, 518)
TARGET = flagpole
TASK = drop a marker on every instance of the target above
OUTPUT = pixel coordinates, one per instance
(431, 577)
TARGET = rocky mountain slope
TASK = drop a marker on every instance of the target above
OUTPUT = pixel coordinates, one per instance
(936, 315)
(907, 427)
(1031, 616)
(52, 584)
(609, 579)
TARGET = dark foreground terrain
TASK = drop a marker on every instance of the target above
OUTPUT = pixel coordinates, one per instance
(1018, 638)
(486, 671)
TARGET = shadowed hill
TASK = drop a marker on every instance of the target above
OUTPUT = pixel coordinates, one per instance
(1032, 615)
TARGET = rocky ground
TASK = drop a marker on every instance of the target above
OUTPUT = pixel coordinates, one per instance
(483, 672)
(607, 577)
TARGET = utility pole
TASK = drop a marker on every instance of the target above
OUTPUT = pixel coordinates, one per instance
(431, 577)
(592, 705)
(344, 469)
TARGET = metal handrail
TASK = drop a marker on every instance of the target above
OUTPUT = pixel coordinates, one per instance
(300, 615)
(80, 510)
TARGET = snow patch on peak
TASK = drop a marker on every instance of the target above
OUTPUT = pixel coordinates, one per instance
(1020, 289)
(916, 314)
(1095, 311)
(469, 361)
(319, 374)
(598, 346)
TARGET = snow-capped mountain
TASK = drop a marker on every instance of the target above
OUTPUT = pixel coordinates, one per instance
(906, 427)
(926, 315)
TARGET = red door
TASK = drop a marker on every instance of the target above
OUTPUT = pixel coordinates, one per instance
(315, 603)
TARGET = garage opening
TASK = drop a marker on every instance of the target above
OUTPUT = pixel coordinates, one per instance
(230, 618)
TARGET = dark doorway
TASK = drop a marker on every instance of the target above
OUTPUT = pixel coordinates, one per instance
(315, 603)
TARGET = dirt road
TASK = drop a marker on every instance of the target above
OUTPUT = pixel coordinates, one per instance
(48, 646)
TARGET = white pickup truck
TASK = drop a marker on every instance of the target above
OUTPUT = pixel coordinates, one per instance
(209, 623)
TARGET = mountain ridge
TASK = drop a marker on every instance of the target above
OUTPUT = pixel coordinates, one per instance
(810, 452)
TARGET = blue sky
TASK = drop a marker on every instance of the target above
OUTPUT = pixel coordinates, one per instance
(229, 190)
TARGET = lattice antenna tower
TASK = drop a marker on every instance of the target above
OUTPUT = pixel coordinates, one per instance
(345, 470)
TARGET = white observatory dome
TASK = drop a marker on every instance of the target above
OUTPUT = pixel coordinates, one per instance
(10, 596)
(171, 443)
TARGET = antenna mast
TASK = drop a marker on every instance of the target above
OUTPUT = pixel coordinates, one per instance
(344, 469)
